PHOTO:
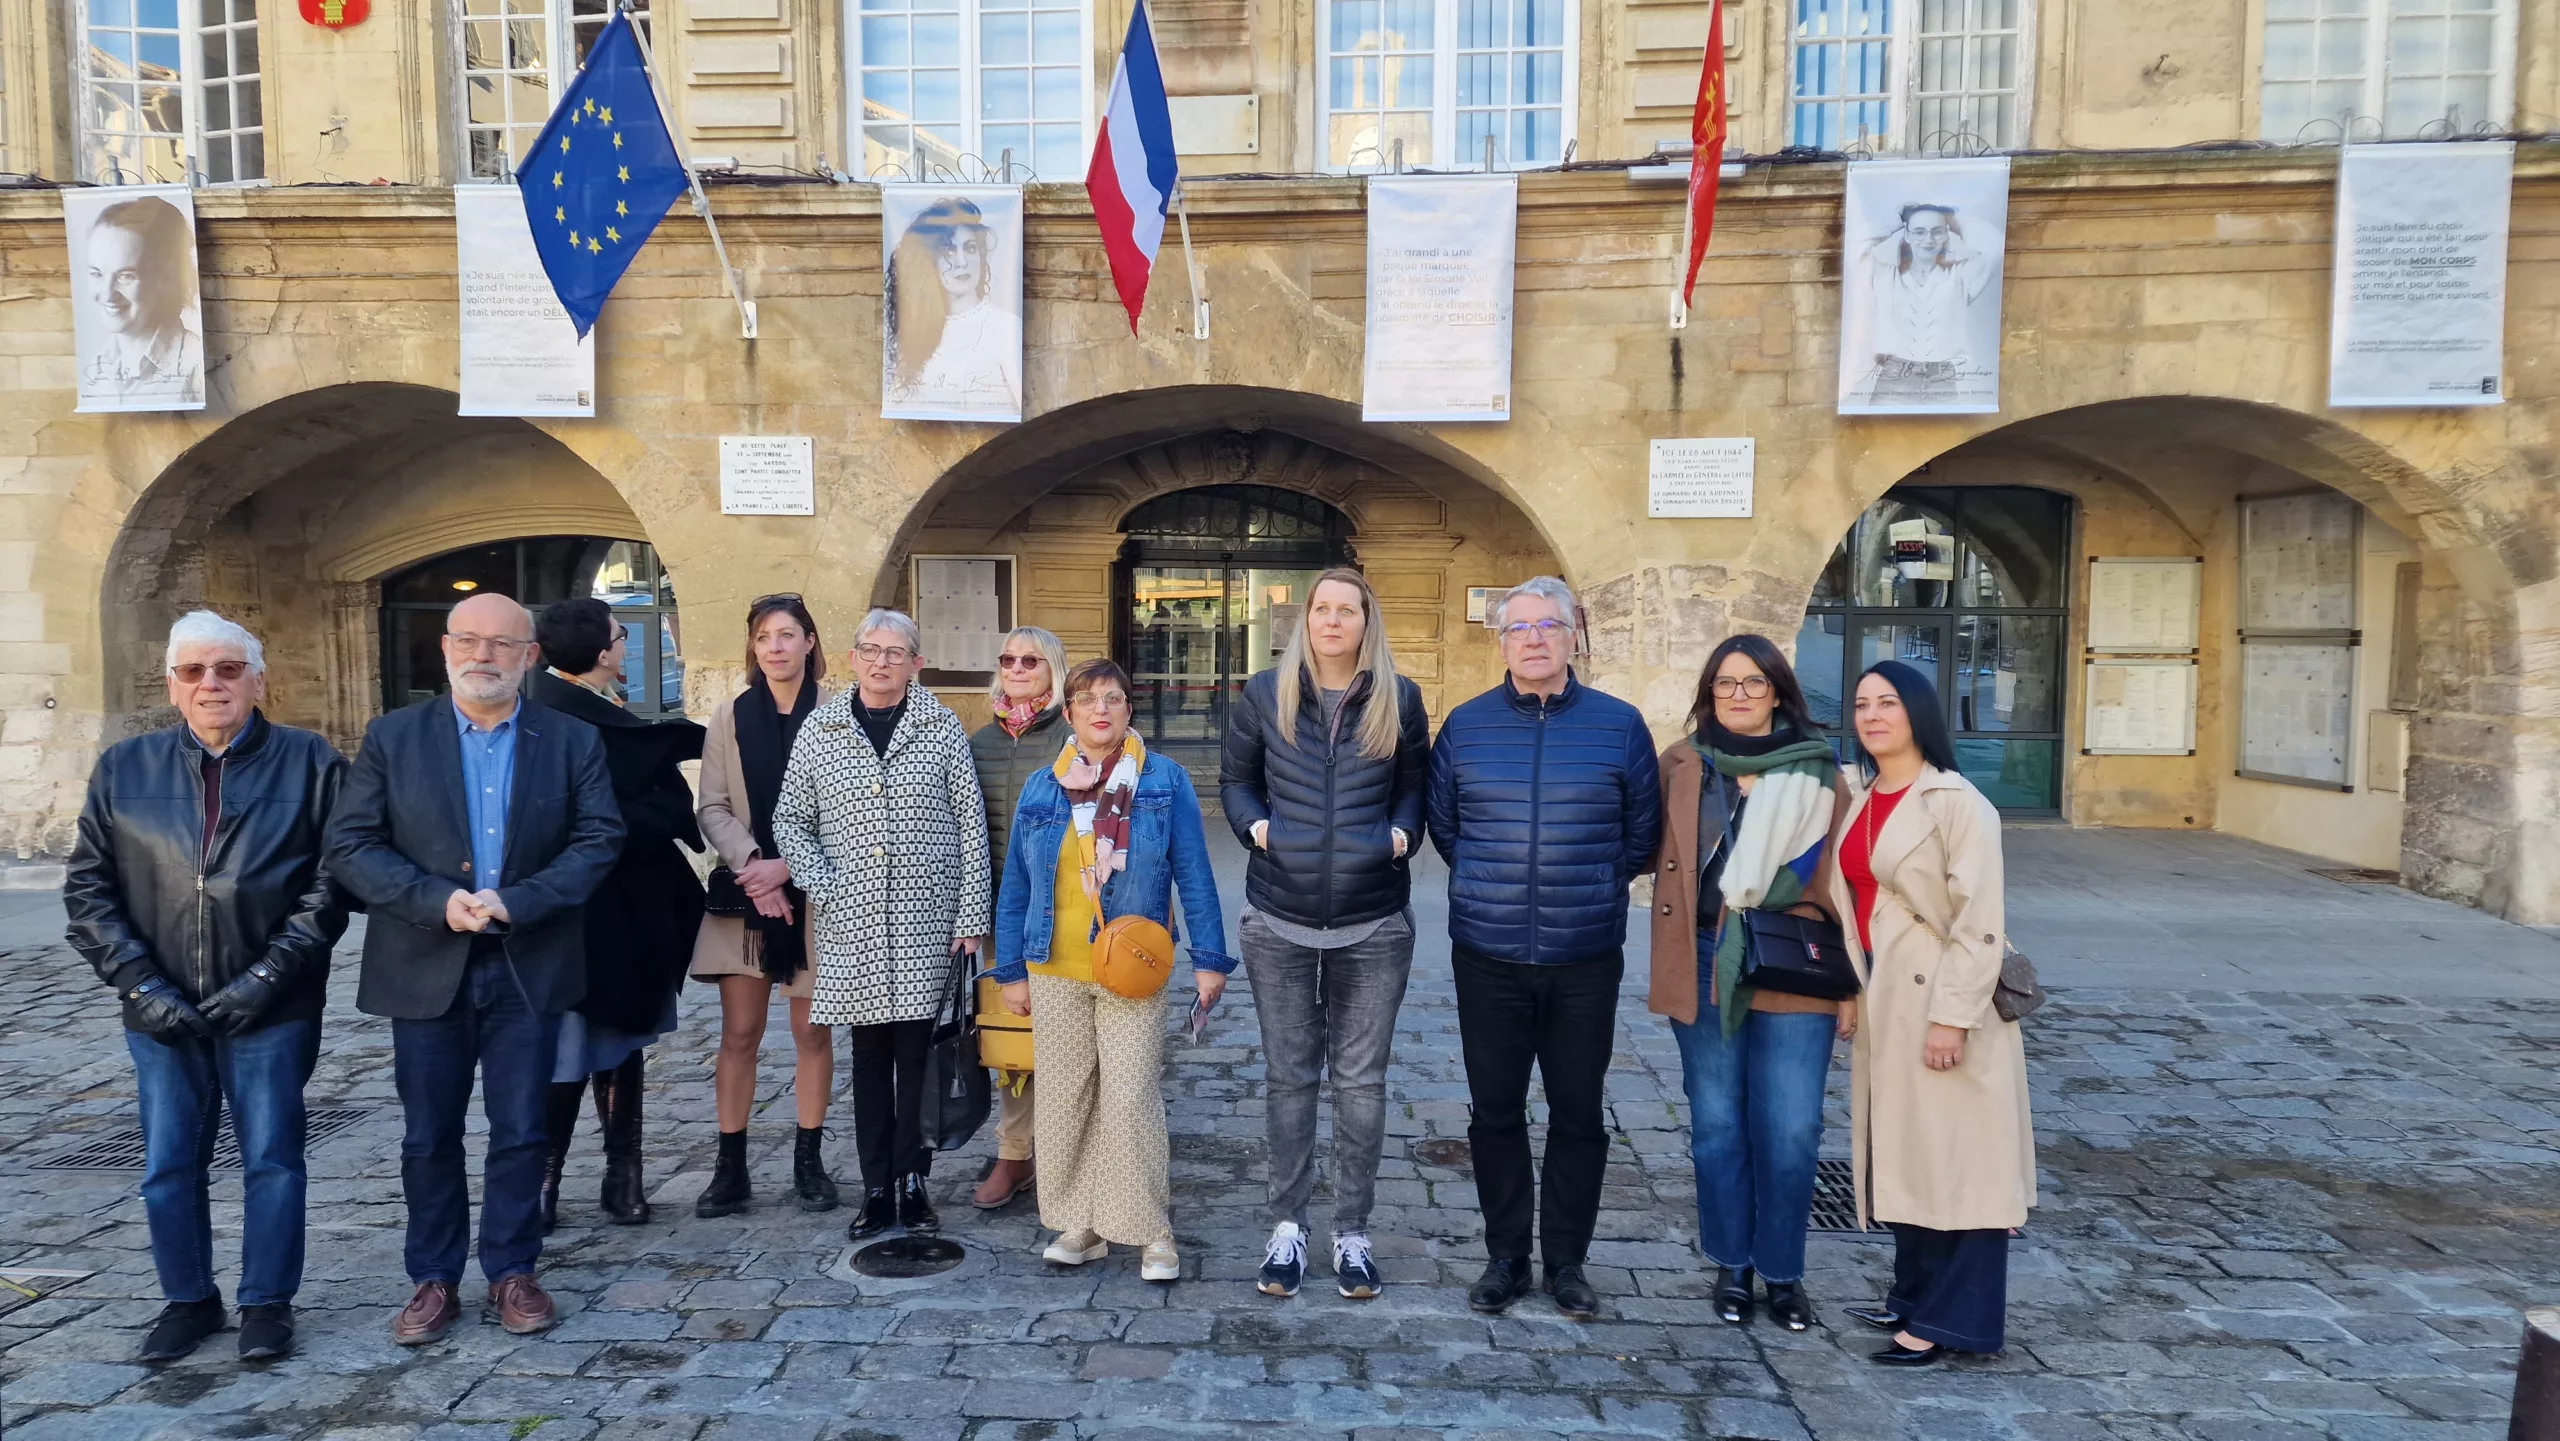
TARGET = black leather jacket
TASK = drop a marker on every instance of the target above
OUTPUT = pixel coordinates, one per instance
(1330, 859)
(146, 897)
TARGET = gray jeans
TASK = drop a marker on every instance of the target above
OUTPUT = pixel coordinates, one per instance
(1327, 1011)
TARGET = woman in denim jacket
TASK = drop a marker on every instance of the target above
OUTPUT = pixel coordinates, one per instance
(1108, 830)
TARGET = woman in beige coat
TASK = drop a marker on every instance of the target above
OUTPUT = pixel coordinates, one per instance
(748, 956)
(1944, 1150)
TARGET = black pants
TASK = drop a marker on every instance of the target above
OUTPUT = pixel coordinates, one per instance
(888, 1100)
(1565, 1020)
(1951, 1287)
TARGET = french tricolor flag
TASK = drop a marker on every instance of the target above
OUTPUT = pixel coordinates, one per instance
(1133, 170)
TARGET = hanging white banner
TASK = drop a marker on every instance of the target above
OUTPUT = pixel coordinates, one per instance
(1922, 247)
(2418, 297)
(951, 292)
(1439, 324)
(521, 353)
(137, 320)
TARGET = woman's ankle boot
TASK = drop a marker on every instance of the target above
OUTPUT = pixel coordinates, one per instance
(810, 1183)
(727, 1193)
(560, 1119)
(626, 1196)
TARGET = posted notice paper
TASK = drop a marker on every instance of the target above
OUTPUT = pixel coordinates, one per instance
(1439, 318)
(521, 353)
(2418, 297)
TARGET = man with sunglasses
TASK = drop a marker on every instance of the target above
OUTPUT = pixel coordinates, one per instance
(475, 826)
(197, 889)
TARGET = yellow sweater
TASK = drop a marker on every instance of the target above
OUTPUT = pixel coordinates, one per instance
(1071, 935)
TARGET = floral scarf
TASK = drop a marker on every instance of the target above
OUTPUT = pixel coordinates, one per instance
(1101, 810)
(1017, 717)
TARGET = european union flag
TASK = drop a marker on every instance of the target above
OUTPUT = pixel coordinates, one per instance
(602, 175)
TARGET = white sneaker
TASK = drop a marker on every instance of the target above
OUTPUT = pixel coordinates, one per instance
(1160, 1263)
(1284, 1261)
(1075, 1248)
(1355, 1275)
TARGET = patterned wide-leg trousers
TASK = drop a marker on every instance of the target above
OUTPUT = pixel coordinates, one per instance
(1099, 1128)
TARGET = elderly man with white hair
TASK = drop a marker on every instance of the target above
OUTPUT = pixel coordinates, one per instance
(1546, 801)
(885, 829)
(198, 890)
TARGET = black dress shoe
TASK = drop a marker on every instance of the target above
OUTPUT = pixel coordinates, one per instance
(1897, 1354)
(182, 1327)
(879, 1213)
(1733, 1294)
(915, 1208)
(266, 1332)
(1506, 1279)
(1788, 1306)
(1572, 1291)
(1883, 1318)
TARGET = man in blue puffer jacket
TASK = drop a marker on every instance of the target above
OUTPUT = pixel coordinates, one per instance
(1546, 802)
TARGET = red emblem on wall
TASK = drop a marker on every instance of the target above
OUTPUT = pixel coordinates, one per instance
(335, 14)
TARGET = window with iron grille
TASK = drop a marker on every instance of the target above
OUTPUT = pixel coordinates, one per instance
(516, 57)
(169, 92)
(1927, 77)
(2385, 69)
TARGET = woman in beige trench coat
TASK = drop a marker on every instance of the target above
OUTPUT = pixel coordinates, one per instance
(1944, 1149)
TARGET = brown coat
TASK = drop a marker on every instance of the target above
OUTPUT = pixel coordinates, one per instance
(1951, 1150)
(724, 945)
(1675, 895)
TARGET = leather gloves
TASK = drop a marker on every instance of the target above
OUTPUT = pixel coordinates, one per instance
(156, 1009)
(237, 1006)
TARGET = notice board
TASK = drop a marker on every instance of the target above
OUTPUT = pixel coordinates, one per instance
(2144, 605)
(2139, 708)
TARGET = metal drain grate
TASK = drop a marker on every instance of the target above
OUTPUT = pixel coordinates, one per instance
(122, 1150)
(1835, 1196)
(906, 1258)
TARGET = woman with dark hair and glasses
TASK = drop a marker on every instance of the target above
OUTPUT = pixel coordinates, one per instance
(1944, 1147)
(748, 955)
(1748, 800)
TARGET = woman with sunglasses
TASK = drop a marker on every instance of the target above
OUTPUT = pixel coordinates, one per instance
(1108, 829)
(1029, 696)
(1944, 1146)
(748, 956)
(1747, 803)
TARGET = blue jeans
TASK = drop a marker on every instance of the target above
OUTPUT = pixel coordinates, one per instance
(183, 1087)
(490, 1029)
(1755, 1127)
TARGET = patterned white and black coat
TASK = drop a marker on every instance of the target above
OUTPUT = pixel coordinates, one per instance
(892, 853)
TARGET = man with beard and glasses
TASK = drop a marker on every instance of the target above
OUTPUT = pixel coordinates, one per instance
(474, 827)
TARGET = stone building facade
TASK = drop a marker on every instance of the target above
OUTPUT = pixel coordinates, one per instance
(2166, 319)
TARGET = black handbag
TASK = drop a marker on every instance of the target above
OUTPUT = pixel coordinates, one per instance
(723, 896)
(1798, 955)
(957, 1093)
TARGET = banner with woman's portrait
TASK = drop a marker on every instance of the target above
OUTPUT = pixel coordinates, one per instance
(137, 314)
(1922, 244)
(951, 323)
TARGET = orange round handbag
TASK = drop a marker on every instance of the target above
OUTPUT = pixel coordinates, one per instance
(1133, 957)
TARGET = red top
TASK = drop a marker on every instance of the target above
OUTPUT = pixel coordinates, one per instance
(1857, 857)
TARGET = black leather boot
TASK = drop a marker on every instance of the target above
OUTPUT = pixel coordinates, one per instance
(810, 1183)
(915, 1208)
(625, 1199)
(879, 1213)
(560, 1120)
(727, 1193)
(1733, 1294)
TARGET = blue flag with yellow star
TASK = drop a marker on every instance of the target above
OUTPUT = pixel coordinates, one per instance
(602, 175)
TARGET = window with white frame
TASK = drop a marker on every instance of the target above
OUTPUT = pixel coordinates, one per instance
(2374, 69)
(169, 92)
(1433, 82)
(1920, 76)
(517, 55)
(954, 87)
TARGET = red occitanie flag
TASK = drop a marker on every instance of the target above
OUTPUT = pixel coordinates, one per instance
(1706, 158)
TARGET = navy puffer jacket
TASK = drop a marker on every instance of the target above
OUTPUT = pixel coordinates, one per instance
(1332, 860)
(1545, 809)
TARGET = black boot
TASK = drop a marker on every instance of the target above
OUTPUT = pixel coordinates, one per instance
(560, 1119)
(625, 1199)
(879, 1213)
(915, 1208)
(1733, 1294)
(727, 1193)
(809, 1179)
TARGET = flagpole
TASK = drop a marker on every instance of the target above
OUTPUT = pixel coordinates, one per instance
(1191, 267)
(701, 201)
(1688, 231)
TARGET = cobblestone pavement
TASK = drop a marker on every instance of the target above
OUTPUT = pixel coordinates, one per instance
(2266, 1217)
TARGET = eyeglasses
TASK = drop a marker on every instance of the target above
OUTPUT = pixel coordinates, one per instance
(1097, 702)
(1751, 687)
(192, 673)
(1020, 662)
(893, 654)
(504, 647)
(1534, 630)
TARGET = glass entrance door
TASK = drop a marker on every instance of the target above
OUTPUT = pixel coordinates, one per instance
(1196, 633)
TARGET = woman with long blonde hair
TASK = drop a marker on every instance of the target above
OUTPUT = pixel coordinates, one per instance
(1327, 756)
(951, 341)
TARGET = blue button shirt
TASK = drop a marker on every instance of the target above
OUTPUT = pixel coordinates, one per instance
(488, 778)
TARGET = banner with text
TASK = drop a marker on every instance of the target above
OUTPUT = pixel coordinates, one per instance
(1439, 331)
(521, 353)
(1923, 246)
(2418, 301)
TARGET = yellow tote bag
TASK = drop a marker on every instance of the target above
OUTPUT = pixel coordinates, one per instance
(1004, 1039)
